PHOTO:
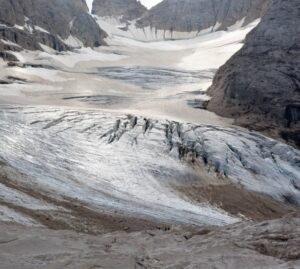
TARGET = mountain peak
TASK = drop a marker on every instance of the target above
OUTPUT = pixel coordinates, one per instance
(29, 23)
(125, 9)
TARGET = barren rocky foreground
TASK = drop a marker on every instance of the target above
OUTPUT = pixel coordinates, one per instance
(268, 244)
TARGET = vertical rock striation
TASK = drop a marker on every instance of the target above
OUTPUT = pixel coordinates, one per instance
(125, 9)
(198, 15)
(260, 85)
(29, 23)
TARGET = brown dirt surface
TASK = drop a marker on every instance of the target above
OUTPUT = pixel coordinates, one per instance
(74, 215)
(237, 201)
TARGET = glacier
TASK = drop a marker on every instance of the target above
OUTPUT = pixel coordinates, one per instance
(133, 164)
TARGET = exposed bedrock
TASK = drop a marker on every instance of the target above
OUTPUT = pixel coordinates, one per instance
(198, 15)
(176, 19)
(87, 30)
(5, 55)
(29, 23)
(268, 244)
(124, 9)
(31, 41)
(260, 85)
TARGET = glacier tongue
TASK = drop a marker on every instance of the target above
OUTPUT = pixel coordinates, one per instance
(113, 161)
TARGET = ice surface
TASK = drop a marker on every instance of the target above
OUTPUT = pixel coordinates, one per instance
(21, 199)
(74, 154)
(131, 163)
(41, 29)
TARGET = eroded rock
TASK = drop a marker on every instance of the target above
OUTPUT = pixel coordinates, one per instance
(260, 85)
(31, 23)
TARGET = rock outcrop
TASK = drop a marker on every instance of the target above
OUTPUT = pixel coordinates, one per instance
(266, 244)
(176, 19)
(260, 85)
(29, 23)
(199, 15)
(124, 9)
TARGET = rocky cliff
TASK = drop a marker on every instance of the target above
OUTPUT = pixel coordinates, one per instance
(199, 15)
(125, 9)
(260, 85)
(29, 23)
(176, 19)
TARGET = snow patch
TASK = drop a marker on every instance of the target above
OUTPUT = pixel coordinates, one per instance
(216, 48)
(237, 25)
(38, 28)
(89, 4)
(43, 73)
(150, 3)
(21, 199)
(116, 28)
(10, 43)
(73, 42)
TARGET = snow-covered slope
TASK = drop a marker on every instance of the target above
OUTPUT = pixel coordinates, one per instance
(197, 15)
(115, 26)
(181, 19)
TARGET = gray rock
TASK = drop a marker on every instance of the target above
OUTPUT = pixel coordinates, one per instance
(49, 23)
(6, 56)
(31, 41)
(260, 85)
(85, 27)
(269, 244)
(197, 15)
(127, 9)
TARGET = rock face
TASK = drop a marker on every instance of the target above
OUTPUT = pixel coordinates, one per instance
(268, 244)
(176, 19)
(28, 23)
(126, 9)
(260, 85)
(199, 15)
